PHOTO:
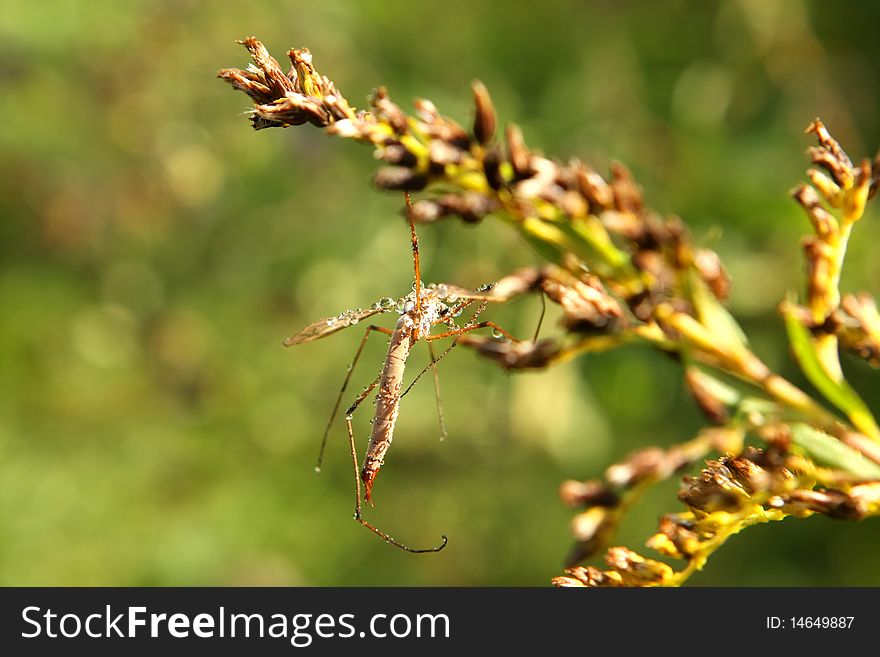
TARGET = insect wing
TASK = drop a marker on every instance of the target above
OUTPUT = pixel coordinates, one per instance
(329, 325)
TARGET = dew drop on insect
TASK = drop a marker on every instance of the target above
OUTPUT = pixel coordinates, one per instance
(349, 417)
(497, 334)
(331, 321)
(318, 469)
(354, 320)
(386, 303)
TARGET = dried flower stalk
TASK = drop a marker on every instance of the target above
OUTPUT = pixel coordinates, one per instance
(622, 273)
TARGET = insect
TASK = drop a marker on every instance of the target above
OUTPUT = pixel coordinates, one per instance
(420, 310)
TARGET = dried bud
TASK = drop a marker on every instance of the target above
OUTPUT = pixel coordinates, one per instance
(713, 408)
(624, 224)
(819, 256)
(298, 97)
(426, 212)
(395, 153)
(714, 490)
(827, 187)
(294, 109)
(709, 266)
(492, 167)
(828, 143)
(859, 326)
(512, 355)
(268, 69)
(588, 576)
(470, 206)
(588, 525)
(832, 503)
(866, 494)
(577, 494)
(751, 476)
(524, 279)
(627, 194)
(643, 464)
(593, 188)
(587, 306)
(661, 277)
(636, 570)
(823, 222)
(573, 204)
(426, 110)
(440, 128)
(400, 179)
(389, 110)
(484, 115)
(517, 152)
(677, 537)
(442, 153)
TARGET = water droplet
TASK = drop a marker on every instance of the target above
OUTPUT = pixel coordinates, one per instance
(386, 303)
(349, 416)
(331, 321)
(441, 290)
(318, 469)
(497, 334)
(354, 320)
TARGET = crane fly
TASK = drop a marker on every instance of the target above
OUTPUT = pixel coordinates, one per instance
(420, 310)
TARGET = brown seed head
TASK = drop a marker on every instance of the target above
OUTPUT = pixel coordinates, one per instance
(484, 114)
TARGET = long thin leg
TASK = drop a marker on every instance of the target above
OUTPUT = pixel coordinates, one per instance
(357, 485)
(540, 319)
(428, 366)
(357, 355)
(468, 329)
(417, 271)
(443, 434)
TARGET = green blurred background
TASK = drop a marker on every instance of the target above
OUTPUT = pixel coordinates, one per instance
(155, 252)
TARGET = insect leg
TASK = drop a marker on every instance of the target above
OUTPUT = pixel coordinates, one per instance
(443, 434)
(357, 355)
(468, 329)
(541, 318)
(417, 271)
(433, 364)
(357, 487)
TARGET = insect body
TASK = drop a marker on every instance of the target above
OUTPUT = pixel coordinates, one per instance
(420, 311)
